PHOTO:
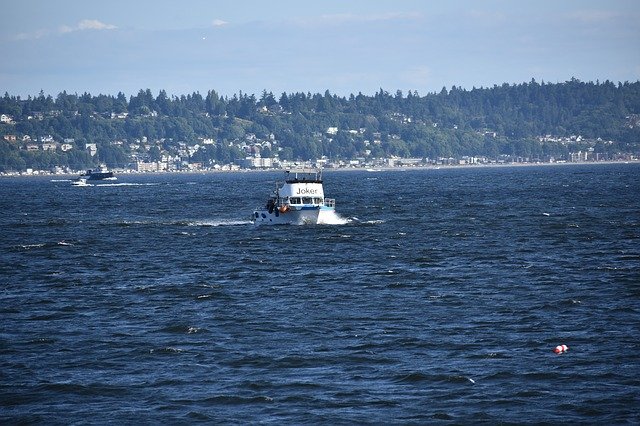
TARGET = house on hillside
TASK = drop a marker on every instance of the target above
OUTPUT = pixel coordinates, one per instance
(92, 148)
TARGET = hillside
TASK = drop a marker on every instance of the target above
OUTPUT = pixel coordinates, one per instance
(530, 120)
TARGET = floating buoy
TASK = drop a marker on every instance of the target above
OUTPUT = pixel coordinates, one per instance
(561, 348)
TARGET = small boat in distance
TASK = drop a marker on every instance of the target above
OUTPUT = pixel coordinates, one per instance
(101, 174)
(299, 201)
(80, 182)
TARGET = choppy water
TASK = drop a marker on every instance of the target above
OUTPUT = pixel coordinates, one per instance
(153, 300)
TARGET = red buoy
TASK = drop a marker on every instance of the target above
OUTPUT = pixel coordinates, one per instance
(561, 348)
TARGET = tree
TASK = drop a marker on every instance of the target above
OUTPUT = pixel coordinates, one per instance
(155, 154)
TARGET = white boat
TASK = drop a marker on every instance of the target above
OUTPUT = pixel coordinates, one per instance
(80, 182)
(298, 201)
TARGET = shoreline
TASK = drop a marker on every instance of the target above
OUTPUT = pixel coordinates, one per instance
(329, 170)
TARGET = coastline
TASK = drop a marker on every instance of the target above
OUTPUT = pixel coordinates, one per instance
(41, 173)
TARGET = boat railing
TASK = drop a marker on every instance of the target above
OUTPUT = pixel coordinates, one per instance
(304, 170)
(304, 175)
(330, 202)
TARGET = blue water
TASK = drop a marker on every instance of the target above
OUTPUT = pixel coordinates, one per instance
(154, 300)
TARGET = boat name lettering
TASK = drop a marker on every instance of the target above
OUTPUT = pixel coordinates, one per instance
(306, 191)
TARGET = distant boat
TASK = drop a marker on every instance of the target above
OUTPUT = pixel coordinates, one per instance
(299, 201)
(102, 174)
(80, 182)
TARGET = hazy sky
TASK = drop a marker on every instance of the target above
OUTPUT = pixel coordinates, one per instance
(290, 46)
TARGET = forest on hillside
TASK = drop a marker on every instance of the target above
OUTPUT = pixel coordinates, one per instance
(528, 120)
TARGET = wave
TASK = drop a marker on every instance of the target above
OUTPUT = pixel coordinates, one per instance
(129, 184)
(30, 246)
(372, 222)
(334, 219)
(61, 243)
(221, 222)
(166, 351)
(417, 376)
(187, 222)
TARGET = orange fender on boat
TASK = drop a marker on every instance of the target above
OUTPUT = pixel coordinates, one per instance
(283, 209)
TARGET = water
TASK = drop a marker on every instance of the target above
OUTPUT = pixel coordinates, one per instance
(441, 298)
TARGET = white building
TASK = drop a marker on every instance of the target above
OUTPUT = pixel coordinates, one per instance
(256, 163)
(92, 148)
(142, 166)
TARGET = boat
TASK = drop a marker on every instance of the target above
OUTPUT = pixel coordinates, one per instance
(101, 174)
(80, 182)
(298, 201)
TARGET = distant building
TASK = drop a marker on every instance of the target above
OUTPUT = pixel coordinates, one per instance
(578, 157)
(154, 166)
(92, 148)
(142, 166)
(256, 163)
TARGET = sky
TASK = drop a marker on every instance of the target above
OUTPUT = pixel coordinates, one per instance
(345, 47)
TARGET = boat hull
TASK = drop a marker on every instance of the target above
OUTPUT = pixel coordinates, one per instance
(101, 176)
(305, 216)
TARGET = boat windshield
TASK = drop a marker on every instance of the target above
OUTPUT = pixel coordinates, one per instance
(304, 175)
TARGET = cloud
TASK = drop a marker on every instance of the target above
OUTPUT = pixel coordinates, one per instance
(83, 25)
(94, 24)
(87, 24)
(33, 35)
(218, 23)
